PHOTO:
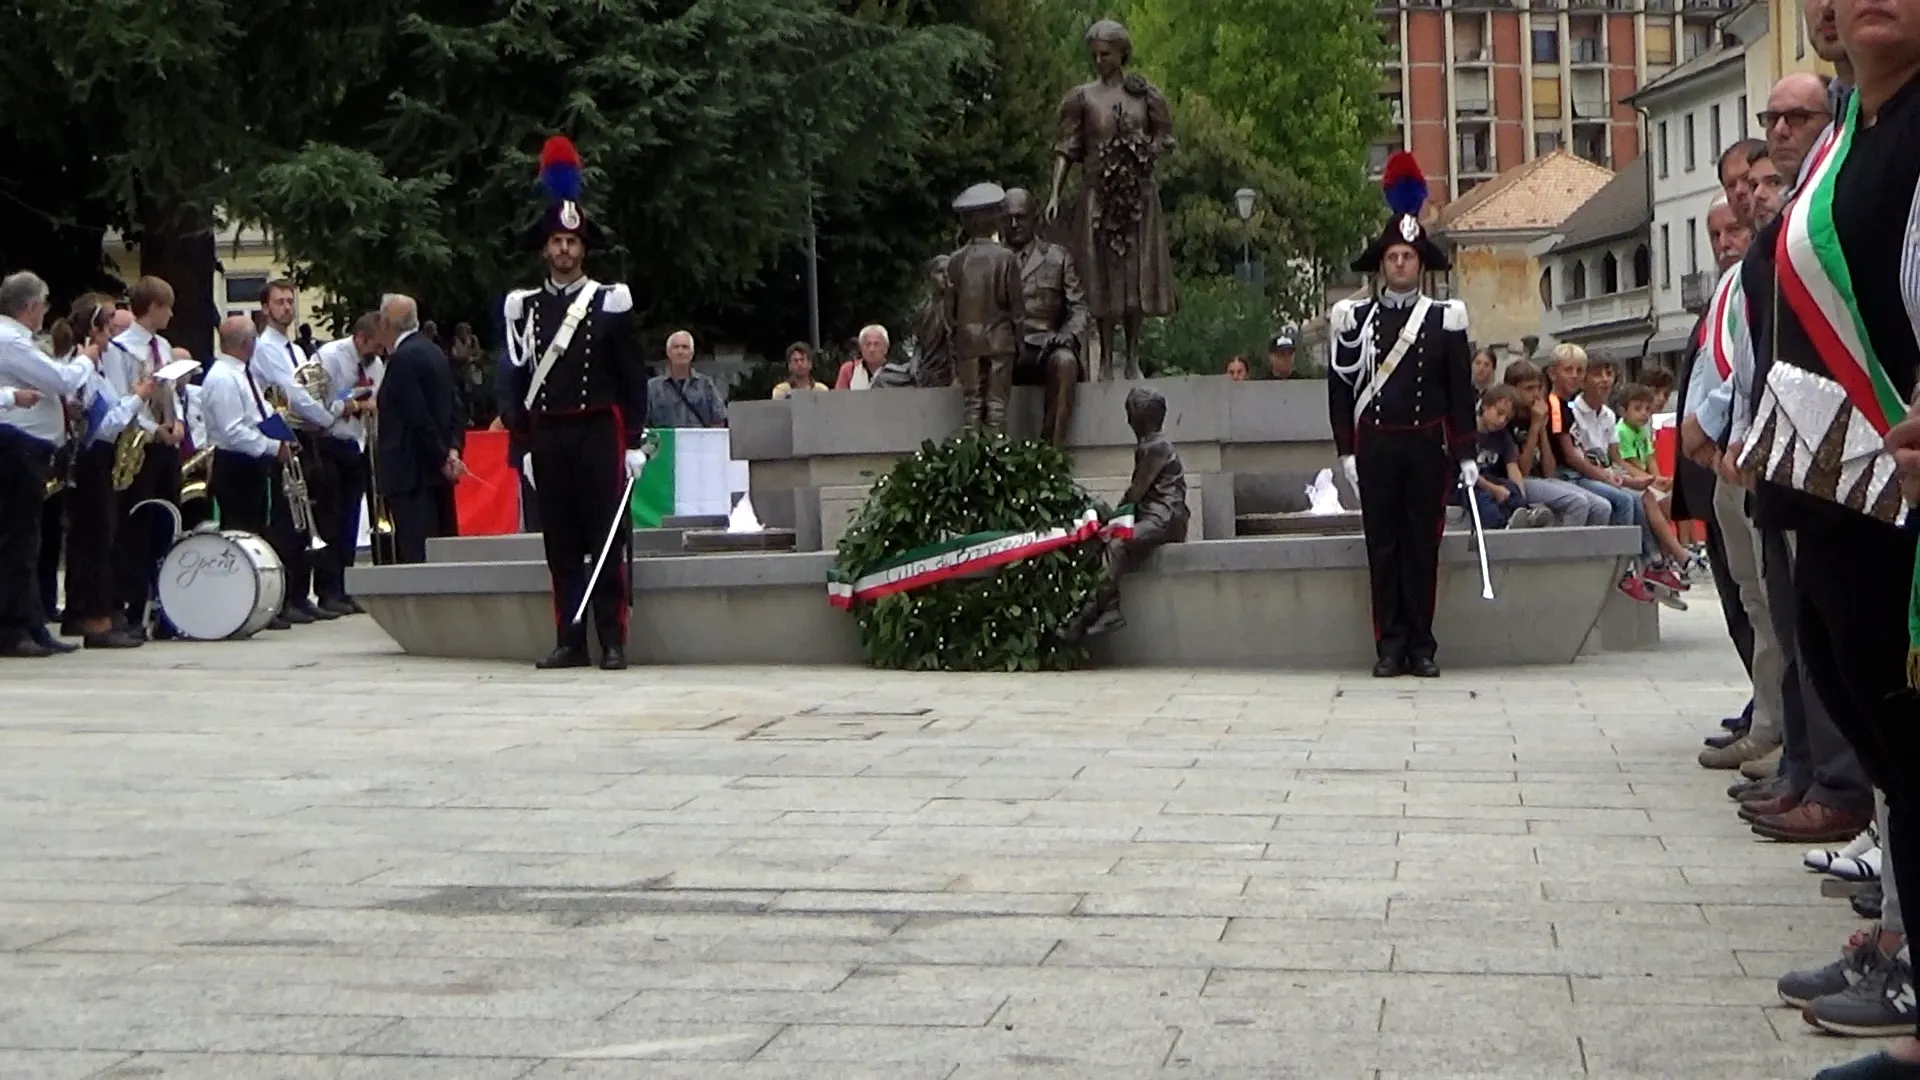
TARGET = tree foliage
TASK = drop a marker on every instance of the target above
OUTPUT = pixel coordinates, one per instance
(1304, 78)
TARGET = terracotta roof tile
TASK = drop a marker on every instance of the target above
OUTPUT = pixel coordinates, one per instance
(1537, 195)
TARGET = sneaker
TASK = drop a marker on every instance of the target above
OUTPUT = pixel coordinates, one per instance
(1801, 988)
(1880, 1066)
(1737, 753)
(1635, 588)
(1822, 858)
(1880, 1003)
(1664, 577)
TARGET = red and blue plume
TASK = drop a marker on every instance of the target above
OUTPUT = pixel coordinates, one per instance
(1404, 184)
(560, 169)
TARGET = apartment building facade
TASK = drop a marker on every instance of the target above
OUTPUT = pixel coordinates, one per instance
(1476, 87)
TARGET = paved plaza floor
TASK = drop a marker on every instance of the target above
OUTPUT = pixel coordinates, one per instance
(308, 857)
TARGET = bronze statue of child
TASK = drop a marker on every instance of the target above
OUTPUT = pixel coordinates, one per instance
(1158, 494)
(984, 309)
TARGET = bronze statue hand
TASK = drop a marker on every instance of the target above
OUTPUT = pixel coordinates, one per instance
(1052, 212)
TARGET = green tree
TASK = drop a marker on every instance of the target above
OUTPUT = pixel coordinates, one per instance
(707, 128)
(1304, 76)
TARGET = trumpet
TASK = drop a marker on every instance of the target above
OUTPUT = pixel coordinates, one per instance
(299, 502)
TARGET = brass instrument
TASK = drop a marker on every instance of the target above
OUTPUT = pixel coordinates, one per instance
(299, 501)
(196, 476)
(380, 529)
(66, 460)
(130, 449)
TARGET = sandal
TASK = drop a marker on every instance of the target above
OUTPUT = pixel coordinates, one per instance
(1821, 860)
(1857, 868)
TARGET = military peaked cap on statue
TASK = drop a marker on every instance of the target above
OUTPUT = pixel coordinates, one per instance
(1406, 191)
(560, 179)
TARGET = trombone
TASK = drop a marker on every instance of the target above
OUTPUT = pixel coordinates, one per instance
(380, 529)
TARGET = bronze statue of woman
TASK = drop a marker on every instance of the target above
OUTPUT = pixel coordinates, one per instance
(1117, 128)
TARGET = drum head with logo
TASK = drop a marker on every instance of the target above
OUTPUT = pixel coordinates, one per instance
(209, 586)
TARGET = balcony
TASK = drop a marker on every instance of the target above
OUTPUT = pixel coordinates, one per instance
(1587, 5)
(1660, 7)
(1598, 311)
(1471, 56)
(1472, 106)
(1475, 164)
(1695, 290)
(1706, 6)
(1587, 51)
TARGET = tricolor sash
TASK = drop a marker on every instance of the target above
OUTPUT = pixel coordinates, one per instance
(1818, 286)
(1723, 321)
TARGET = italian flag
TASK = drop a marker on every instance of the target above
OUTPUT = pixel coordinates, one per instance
(688, 473)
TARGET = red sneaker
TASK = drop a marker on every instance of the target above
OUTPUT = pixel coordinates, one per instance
(1665, 577)
(1636, 588)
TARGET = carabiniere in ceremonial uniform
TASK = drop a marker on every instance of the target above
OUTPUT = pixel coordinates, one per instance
(1401, 401)
(580, 401)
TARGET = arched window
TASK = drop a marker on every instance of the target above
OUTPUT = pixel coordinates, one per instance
(1577, 281)
(1546, 287)
(1642, 267)
(1609, 275)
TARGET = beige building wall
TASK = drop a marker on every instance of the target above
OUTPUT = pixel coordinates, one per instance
(1500, 283)
(1790, 52)
(246, 261)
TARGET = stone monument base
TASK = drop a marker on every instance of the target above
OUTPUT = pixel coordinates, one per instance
(1271, 602)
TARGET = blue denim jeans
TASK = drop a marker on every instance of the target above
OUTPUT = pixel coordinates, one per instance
(1625, 510)
(1494, 515)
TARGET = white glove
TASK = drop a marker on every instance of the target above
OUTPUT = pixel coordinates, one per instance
(636, 460)
(526, 470)
(1469, 474)
(1352, 468)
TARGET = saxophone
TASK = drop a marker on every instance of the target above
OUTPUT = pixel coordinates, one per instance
(196, 475)
(130, 449)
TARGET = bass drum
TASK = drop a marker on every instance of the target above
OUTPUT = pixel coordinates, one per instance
(217, 585)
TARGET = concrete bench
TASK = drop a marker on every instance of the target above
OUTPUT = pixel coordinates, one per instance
(1269, 602)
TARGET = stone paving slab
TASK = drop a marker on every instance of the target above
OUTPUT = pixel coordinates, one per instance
(308, 856)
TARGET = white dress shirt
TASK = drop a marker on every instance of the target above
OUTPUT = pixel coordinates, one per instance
(274, 358)
(22, 364)
(233, 411)
(132, 355)
(343, 366)
(120, 410)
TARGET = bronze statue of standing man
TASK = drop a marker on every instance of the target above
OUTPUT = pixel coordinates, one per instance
(1055, 323)
(984, 310)
(1117, 128)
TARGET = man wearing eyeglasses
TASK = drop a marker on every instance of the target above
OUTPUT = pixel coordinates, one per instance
(1797, 112)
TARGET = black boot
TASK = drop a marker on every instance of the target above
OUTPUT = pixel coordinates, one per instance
(566, 656)
(1423, 667)
(1389, 667)
(613, 658)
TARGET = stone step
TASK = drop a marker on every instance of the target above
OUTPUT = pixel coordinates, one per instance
(528, 547)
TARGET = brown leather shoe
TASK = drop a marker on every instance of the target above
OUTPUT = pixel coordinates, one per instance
(1774, 807)
(1812, 823)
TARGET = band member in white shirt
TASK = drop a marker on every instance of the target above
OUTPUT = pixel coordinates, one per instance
(136, 353)
(275, 359)
(247, 462)
(92, 510)
(353, 368)
(28, 436)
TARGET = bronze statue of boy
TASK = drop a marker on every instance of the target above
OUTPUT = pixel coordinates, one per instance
(1158, 494)
(984, 308)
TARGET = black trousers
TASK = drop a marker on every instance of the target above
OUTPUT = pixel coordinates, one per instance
(23, 488)
(245, 487)
(579, 466)
(53, 537)
(1852, 583)
(302, 562)
(338, 515)
(92, 522)
(1739, 627)
(419, 516)
(1817, 757)
(139, 542)
(1404, 476)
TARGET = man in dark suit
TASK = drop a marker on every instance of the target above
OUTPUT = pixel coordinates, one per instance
(419, 451)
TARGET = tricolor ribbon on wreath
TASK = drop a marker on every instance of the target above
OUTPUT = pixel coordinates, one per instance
(968, 556)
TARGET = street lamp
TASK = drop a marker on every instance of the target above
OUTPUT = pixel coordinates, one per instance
(1243, 204)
